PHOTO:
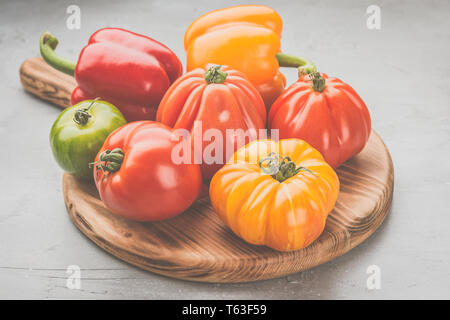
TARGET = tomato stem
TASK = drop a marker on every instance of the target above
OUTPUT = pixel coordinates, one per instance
(280, 169)
(81, 116)
(109, 160)
(318, 82)
(215, 75)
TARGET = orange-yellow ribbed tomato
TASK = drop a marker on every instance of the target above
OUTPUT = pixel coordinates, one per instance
(285, 215)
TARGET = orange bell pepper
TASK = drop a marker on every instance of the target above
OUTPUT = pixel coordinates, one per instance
(246, 38)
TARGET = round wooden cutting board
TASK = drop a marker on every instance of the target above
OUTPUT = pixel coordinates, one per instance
(196, 245)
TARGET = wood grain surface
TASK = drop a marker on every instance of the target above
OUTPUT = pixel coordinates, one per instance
(196, 245)
(49, 84)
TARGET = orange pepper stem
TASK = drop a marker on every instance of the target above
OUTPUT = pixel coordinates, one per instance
(304, 66)
(280, 169)
(215, 75)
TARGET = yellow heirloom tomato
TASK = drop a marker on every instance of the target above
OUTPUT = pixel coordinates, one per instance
(277, 194)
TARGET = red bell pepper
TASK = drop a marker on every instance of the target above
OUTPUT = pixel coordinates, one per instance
(129, 70)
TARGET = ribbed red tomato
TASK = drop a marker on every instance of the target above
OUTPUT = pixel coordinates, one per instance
(216, 103)
(325, 112)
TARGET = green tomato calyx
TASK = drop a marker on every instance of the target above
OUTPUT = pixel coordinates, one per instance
(280, 168)
(81, 116)
(318, 82)
(109, 161)
(215, 75)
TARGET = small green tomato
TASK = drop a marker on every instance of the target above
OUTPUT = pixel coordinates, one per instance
(80, 131)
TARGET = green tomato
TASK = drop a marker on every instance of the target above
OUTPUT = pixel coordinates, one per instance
(80, 131)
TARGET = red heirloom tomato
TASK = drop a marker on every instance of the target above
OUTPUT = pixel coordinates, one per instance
(212, 101)
(325, 112)
(137, 178)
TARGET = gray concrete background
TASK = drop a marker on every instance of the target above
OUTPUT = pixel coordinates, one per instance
(401, 71)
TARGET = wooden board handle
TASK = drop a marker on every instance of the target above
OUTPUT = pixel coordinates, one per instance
(46, 83)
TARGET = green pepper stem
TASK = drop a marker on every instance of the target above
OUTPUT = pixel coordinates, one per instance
(280, 169)
(109, 160)
(47, 46)
(304, 66)
(215, 75)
